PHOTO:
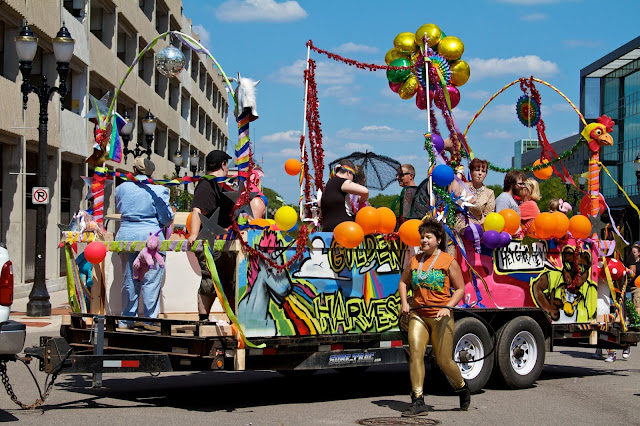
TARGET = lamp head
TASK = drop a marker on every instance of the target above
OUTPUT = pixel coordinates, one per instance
(128, 127)
(149, 124)
(26, 44)
(63, 45)
(177, 158)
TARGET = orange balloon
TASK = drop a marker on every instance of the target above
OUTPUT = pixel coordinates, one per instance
(511, 221)
(369, 218)
(637, 281)
(263, 223)
(532, 230)
(585, 205)
(409, 233)
(387, 220)
(188, 226)
(580, 226)
(292, 167)
(544, 173)
(562, 224)
(348, 234)
(545, 225)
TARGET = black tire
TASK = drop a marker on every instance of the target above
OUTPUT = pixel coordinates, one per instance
(520, 353)
(471, 341)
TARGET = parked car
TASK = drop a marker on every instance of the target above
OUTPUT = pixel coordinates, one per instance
(12, 333)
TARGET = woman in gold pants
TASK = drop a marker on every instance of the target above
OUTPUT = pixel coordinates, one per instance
(431, 275)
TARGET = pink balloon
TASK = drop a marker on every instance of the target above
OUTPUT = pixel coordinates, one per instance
(454, 96)
(395, 86)
(421, 98)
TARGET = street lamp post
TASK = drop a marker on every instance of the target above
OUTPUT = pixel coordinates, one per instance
(194, 158)
(126, 132)
(26, 48)
(177, 160)
(149, 129)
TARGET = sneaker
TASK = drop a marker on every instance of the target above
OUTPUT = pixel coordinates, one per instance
(465, 397)
(627, 352)
(417, 407)
(597, 354)
(611, 357)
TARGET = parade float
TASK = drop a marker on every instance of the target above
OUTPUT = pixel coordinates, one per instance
(306, 300)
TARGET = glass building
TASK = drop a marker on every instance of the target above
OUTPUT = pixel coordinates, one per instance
(520, 147)
(611, 86)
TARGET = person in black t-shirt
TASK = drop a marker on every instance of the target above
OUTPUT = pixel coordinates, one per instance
(335, 203)
(207, 197)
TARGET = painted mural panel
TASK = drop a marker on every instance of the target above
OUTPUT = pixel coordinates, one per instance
(331, 290)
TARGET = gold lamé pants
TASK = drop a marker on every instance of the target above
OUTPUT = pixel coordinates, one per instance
(441, 333)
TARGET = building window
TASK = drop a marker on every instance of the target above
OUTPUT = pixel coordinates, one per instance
(145, 64)
(174, 93)
(185, 106)
(194, 67)
(147, 7)
(161, 83)
(75, 8)
(591, 98)
(102, 24)
(162, 20)
(126, 42)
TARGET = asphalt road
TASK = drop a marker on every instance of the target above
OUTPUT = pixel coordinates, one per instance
(572, 389)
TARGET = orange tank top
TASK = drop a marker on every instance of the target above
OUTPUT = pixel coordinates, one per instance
(433, 287)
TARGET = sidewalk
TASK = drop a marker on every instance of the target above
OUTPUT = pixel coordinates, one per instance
(59, 306)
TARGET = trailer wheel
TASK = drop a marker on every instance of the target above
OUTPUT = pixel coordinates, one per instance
(520, 352)
(472, 341)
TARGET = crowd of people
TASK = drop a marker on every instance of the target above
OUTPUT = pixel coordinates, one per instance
(430, 286)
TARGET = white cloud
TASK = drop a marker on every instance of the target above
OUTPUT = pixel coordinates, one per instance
(534, 17)
(351, 47)
(482, 95)
(259, 10)
(361, 147)
(286, 152)
(205, 37)
(572, 44)
(498, 134)
(342, 93)
(287, 136)
(517, 65)
(380, 134)
(329, 73)
(377, 128)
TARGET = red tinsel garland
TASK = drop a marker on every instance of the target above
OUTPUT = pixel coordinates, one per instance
(315, 129)
(351, 62)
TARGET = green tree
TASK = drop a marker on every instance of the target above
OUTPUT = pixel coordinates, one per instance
(497, 189)
(382, 200)
(179, 197)
(549, 189)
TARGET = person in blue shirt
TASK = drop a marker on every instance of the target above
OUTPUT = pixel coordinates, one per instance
(144, 210)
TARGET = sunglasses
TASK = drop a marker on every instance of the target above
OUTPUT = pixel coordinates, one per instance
(399, 175)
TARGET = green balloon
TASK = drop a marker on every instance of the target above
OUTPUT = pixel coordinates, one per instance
(398, 76)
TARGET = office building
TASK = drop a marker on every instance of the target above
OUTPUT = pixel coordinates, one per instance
(191, 110)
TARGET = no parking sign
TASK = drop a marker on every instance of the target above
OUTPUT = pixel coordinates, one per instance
(40, 195)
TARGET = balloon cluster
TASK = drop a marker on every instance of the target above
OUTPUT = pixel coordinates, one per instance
(442, 51)
(369, 220)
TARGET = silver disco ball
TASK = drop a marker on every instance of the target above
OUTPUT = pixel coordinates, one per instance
(170, 61)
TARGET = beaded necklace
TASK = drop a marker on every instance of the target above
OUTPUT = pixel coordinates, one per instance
(423, 274)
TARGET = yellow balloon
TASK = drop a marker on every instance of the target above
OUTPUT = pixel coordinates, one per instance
(409, 87)
(392, 55)
(405, 43)
(433, 33)
(460, 72)
(286, 218)
(451, 48)
(494, 222)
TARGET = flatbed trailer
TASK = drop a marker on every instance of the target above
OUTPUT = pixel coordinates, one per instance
(351, 320)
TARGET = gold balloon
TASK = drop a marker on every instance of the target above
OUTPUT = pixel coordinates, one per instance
(451, 48)
(392, 55)
(409, 87)
(433, 33)
(415, 57)
(460, 72)
(405, 43)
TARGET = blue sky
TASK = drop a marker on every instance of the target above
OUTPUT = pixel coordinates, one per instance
(504, 39)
